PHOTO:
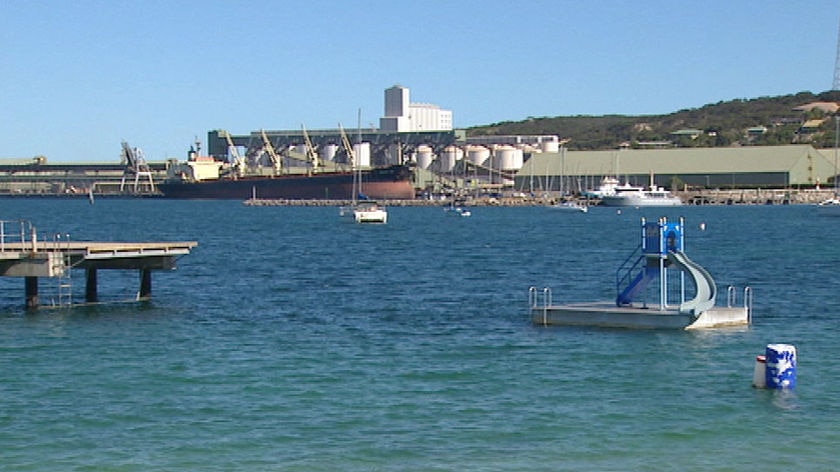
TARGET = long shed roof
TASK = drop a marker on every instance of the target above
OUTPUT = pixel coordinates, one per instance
(803, 162)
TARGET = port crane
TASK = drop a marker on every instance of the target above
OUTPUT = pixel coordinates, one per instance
(311, 155)
(276, 161)
(238, 161)
(137, 166)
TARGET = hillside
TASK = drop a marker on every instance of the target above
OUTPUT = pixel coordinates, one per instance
(759, 121)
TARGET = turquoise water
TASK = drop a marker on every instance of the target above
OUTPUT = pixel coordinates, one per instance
(292, 339)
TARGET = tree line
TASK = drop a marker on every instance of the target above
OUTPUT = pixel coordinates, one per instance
(764, 121)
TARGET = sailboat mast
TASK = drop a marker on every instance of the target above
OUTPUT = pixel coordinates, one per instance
(359, 149)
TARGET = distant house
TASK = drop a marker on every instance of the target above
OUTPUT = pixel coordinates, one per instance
(811, 126)
(808, 130)
(690, 133)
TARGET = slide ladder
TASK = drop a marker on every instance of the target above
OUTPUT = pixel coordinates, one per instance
(704, 284)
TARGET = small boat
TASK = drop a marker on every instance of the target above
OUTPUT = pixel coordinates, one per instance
(570, 206)
(658, 260)
(457, 210)
(830, 207)
(370, 212)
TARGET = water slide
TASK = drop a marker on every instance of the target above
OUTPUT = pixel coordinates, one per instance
(703, 282)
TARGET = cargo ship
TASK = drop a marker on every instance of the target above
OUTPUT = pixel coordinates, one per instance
(203, 177)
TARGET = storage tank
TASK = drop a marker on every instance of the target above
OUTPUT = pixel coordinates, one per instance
(503, 157)
(300, 148)
(550, 146)
(448, 158)
(424, 156)
(517, 161)
(362, 152)
(327, 152)
(478, 155)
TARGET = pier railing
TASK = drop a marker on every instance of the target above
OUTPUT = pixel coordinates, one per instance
(17, 231)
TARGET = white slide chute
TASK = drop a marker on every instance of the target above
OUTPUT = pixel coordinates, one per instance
(703, 283)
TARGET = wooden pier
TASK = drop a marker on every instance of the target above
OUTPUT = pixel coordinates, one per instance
(30, 259)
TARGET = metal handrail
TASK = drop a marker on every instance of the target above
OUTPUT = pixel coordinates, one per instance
(748, 302)
(6, 237)
(627, 271)
(732, 300)
(535, 296)
(731, 296)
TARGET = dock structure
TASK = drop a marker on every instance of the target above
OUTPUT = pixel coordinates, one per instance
(23, 255)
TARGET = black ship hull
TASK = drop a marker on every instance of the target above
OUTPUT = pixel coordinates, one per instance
(382, 183)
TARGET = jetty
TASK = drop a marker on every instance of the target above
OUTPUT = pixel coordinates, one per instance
(23, 254)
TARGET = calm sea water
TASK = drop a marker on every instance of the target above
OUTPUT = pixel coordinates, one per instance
(293, 339)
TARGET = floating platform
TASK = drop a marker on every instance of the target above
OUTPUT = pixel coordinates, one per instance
(608, 315)
(659, 261)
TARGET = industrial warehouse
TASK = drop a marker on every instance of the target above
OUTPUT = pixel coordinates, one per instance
(442, 160)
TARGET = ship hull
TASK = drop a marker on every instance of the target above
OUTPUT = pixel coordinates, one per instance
(382, 184)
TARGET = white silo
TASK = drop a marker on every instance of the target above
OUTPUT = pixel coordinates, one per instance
(448, 158)
(503, 157)
(549, 144)
(518, 160)
(362, 153)
(424, 156)
(328, 152)
(478, 155)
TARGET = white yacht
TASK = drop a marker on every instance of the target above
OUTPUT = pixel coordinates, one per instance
(627, 195)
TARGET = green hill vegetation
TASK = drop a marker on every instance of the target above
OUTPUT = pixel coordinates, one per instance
(764, 121)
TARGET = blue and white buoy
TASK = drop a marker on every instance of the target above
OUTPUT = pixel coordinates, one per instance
(781, 366)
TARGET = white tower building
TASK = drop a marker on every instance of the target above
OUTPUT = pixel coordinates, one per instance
(401, 115)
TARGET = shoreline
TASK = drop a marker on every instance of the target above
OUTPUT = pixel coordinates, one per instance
(691, 198)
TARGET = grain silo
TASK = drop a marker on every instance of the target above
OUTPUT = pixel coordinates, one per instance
(424, 156)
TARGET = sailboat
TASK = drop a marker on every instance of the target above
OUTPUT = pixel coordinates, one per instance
(567, 205)
(363, 211)
(831, 206)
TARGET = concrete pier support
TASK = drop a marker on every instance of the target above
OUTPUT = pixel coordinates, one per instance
(91, 294)
(31, 289)
(145, 284)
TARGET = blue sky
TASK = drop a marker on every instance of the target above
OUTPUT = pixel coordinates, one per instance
(79, 77)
